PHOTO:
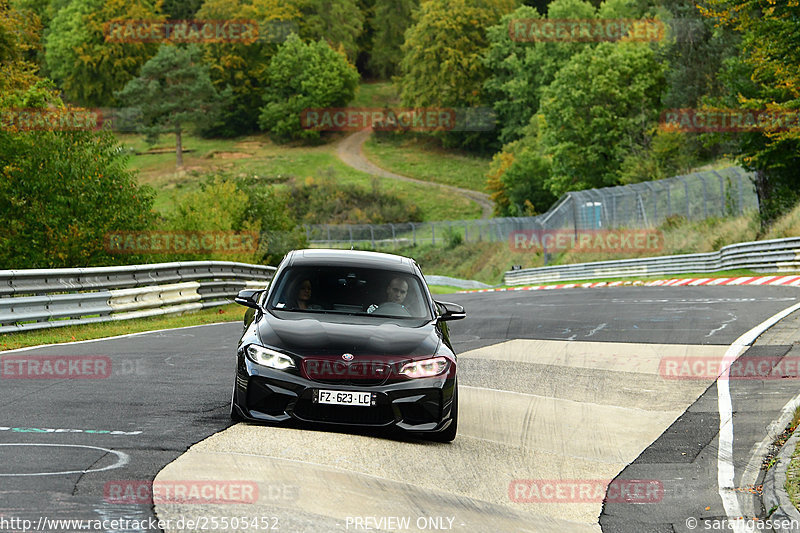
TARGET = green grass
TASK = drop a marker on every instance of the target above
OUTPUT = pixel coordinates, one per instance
(443, 289)
(376, 94)
(226, 313)
(417, 158)
(792, 484)
(258, 155)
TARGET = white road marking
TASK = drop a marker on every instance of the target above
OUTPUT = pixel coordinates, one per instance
(62, 430)
(724, 325)
(725, 469)
(122, 460)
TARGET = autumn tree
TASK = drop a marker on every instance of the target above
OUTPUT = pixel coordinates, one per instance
(242, 64)
(60, 191)
(83, 62)
(442, 58)
(339, 23)
(766, 76)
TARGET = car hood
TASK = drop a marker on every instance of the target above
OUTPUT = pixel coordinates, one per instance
(312, 337)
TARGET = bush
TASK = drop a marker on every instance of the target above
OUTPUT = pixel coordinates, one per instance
(327, 201)
(303, 76)
(61, 193)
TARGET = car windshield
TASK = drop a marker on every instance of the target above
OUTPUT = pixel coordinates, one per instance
(348, 290)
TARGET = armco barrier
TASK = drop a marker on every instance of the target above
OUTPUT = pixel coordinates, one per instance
(37, 299)
(778, 255)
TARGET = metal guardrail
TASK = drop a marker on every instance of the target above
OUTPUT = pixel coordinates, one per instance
(778, 255)
(47, 298)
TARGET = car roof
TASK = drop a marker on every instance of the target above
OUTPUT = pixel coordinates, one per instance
(355, 258)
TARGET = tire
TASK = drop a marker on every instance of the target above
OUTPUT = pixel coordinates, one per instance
(450, 433)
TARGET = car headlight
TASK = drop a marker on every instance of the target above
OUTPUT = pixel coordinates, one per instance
(425, 368)
(271, 358)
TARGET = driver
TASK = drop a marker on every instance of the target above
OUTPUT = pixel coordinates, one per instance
(396, 293)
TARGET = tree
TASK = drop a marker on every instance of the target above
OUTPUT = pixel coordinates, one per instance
(173, 90)
(19, 38)
(339, 23)
(80, 59)
(441, 63)
(392, 19)
(241, 65)
(268, 209)
(518, 176)
(600, 105)
(61, 193)
(303, 76)
(442, 66)
(766, 76)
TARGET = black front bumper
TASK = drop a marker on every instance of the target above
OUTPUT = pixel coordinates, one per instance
(418, 405)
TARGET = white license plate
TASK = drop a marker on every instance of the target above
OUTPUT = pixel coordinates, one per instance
(338, 397)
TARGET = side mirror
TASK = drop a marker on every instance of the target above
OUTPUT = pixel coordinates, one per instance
(450, 311)
(249, 298)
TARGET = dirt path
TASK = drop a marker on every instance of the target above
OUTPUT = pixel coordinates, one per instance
(351, 153)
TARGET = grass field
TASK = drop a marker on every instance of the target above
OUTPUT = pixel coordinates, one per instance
(260, 156)
(417, 158)
(376, 94)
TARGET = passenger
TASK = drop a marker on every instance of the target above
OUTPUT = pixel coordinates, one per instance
(303, 296)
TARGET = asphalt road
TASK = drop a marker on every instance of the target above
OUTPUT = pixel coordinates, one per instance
(65, 443)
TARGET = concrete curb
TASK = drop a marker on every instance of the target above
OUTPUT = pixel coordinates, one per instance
(774, 493)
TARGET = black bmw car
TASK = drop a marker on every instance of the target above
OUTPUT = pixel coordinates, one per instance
(348, 338)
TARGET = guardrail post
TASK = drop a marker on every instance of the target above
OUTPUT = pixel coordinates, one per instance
(433, 233)
(669, 198)
(741, 192)
(686, 193)
(414, 233)
(705, 195)
(721, 192)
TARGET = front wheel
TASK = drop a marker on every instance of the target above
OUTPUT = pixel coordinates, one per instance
(450, 433)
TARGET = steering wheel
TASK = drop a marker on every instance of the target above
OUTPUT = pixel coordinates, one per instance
(391, 308)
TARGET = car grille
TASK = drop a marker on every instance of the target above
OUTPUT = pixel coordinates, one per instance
(359, 373)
